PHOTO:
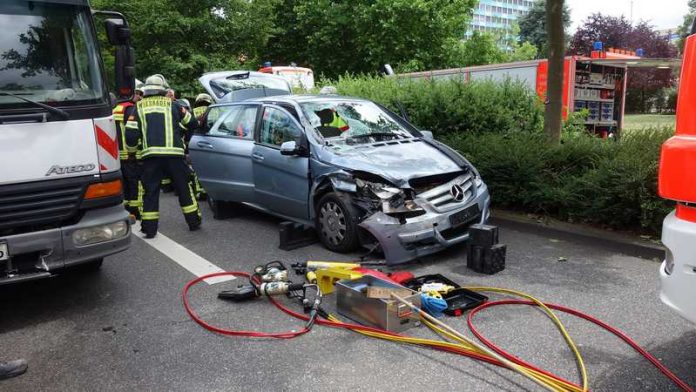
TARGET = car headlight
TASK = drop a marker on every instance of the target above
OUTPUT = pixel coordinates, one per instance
(382, 191)
(102, 233)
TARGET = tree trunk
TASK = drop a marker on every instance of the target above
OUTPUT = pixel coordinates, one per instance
(554, 105)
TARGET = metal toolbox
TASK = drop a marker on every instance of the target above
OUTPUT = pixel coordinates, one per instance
(389, 314)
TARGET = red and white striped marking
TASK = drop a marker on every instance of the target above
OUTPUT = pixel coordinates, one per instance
(107, 146)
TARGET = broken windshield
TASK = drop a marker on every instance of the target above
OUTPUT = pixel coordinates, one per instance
(352, 122)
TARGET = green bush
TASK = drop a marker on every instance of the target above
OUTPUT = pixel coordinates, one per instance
(585, 179)
(451, 106)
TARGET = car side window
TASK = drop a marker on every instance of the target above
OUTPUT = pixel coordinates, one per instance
(278, 127)
(238, 121)
(212, 116)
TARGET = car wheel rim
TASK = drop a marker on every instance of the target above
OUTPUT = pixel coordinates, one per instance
(333, 223)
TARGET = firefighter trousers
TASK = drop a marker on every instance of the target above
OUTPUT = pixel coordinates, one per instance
(156, 168)
(131, 171)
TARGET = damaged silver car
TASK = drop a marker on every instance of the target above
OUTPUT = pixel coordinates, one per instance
(356, 172)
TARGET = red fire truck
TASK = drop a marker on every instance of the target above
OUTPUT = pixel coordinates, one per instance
(677, 181)
(596, 83)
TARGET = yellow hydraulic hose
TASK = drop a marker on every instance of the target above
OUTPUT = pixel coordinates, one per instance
(556, 321)
(553, 384)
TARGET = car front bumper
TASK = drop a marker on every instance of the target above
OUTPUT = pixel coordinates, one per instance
(678, 271)
(425, 234)
(39, 254)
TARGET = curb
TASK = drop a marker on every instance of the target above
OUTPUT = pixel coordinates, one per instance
(613, 241)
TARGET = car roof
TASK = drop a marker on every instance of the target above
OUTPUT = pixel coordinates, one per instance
(298, 98)
(304, 98)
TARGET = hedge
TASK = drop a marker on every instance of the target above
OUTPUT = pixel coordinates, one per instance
(497, 126)
(585, 179)
(450, 106)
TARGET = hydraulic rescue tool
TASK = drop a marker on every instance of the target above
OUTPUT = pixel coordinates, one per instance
(272, 279)
(395, 312)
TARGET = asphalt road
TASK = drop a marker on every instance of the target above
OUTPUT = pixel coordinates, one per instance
(124, 328)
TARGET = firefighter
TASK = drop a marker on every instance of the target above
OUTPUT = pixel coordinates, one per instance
(201, 105)
(159, 126)
(198, 191)
(130, 170)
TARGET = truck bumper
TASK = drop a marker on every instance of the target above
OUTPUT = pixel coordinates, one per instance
(39, 254)
(678, 271)
(425, 234)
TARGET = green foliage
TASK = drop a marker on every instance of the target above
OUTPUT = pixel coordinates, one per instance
(451, 106)
(533, 26)
(485, 48)
(359, 36)
(584, 179)
(685, 27)
(182, 40)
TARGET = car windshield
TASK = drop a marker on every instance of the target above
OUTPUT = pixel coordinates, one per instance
(352, 122)
(246, 81)
(48, 54)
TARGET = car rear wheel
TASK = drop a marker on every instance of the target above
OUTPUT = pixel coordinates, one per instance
(220, 209)
(336, 223)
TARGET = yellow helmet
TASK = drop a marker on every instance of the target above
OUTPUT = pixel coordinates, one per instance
(204, 98)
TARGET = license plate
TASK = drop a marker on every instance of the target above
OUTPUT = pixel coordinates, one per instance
(464, 216)
(4, 251)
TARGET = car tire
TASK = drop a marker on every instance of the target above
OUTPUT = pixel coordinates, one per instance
(337, 225)
(217, 207)
(221, 209)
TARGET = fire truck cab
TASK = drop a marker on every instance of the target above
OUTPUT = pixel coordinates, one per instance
(677, 181)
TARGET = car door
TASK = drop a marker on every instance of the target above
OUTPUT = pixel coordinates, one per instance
(281, 181)
(221, 154)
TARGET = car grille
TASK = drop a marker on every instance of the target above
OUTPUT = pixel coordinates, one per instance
(40, 203)
(442, 198)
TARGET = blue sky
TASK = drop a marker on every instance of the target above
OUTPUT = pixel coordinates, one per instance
(661, 13)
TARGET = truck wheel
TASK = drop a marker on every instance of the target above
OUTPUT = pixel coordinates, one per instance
(336, 223)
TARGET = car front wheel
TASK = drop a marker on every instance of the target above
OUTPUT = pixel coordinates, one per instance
(336, 223)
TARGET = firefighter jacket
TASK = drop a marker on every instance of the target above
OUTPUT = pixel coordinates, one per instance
(198, 111)
(120, 113)
(158, 127)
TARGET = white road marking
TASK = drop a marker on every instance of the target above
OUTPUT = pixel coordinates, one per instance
(184, 257)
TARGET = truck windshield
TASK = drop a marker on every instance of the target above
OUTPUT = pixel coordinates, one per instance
(48, 54)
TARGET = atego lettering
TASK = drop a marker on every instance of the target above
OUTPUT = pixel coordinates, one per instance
(59, 170)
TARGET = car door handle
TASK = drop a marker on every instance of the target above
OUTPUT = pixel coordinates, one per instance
(202, 144)
(257, 157)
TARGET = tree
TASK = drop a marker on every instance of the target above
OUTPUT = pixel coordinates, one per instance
(533, 26)
(685, 29)
(335, 37)
(486, 48)
(644, 86)
(183, 40)
(556, 38)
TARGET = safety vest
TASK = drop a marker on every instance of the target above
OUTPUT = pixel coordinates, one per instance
(119, 113)
(338, 122)
(199, 110)
(158, 125)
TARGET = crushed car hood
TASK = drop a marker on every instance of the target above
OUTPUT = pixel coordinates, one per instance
(397, 162)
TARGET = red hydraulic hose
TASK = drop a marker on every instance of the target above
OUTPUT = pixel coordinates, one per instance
(662, 368)
(329, 323)
(251, 334)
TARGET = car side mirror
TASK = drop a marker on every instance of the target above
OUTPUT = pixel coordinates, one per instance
(427, 134)
(289, 148)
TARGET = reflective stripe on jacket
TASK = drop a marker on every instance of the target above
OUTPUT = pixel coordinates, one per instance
(158, 126)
